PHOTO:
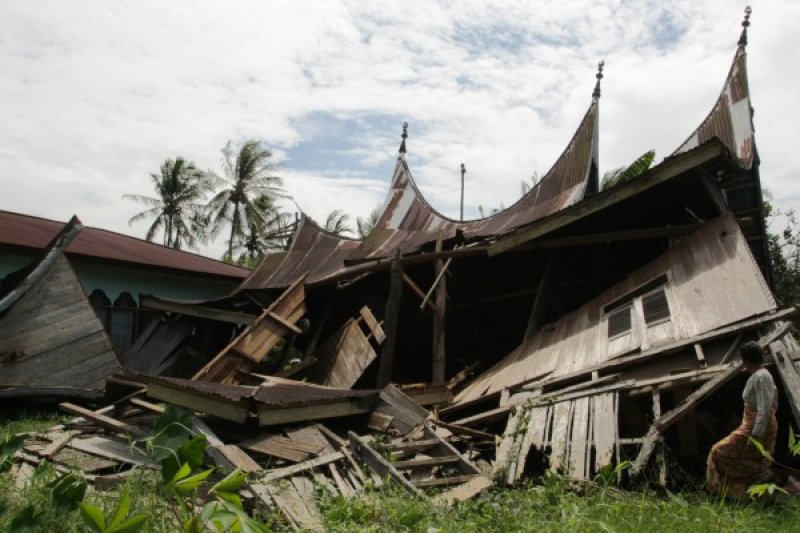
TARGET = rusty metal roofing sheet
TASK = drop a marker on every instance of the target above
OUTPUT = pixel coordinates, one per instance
(220, 391)
(285, 393)
(34, 232)
(315, 252)
(408, 221)
(731, 118)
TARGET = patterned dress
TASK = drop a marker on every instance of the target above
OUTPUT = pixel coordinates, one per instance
(734, 463)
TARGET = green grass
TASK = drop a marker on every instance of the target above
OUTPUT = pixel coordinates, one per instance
(552, 505)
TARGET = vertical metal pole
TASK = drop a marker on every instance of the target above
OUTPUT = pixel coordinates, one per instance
(463, 171)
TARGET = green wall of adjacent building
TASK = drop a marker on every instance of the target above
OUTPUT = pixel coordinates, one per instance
(114, 280)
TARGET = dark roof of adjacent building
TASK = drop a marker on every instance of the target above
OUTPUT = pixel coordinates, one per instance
(34, 233)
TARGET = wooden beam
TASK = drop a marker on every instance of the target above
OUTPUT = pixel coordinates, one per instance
(789, 376)
(102, 420)
(148, 301)
(414, 287)
(280, 473)
(440, 274)
(285, 323)
(439, 357)
(611, 236)
(391, 316)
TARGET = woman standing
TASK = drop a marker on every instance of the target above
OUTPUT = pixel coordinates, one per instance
(734, 462)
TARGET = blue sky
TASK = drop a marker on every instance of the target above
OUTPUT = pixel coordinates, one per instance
(95, 95)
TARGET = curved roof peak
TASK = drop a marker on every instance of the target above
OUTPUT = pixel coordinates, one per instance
(599, 76)
(745, 23)
(404, 136)
(731, 118)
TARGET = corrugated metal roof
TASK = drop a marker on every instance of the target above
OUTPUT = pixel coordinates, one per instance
(731, 118)
(34, 232)
(285, 393)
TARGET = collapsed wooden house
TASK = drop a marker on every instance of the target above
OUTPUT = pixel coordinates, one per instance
(577, 328)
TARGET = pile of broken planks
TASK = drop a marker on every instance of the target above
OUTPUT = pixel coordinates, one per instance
(289, 455)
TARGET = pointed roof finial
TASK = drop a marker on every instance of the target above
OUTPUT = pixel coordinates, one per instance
(404, 136)
(599, 76)
(745, 24)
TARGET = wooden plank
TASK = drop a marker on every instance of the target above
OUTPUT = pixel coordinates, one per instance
(465, 491)
(285, 323)
(373, 325)
(239, 458)
(379, 422)
(430, 395)
(439, 276)
(148, 301)
(461, 430)
(103, 421)
(407, 414)
(789, 377)
(662, 465)
(409, 446)
(351, 357)
(734, 346)
(701, 357)
(57, 443)
(425, 462)
(280, 473)
(111, 449)
(149, 406)
(576, 466)
(440, 481)
(256, 340)
(302, 514)
(391, 318)
(378, 463)
(532, 436)
(279, 446)
(603, 428)
(562, 415)
(439, 356)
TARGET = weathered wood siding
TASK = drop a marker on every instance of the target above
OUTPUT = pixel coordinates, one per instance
(713, 281)
(51, 336)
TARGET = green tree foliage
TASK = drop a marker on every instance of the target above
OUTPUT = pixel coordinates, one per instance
(622, 175)
(274, 234)
(181, 190)
(248, 174)
(784, 250)
(365, 225)
(338, 222)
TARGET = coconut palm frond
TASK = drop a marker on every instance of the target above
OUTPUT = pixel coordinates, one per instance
(622, 175)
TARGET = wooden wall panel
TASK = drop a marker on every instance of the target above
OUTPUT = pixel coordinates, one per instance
(713, 281)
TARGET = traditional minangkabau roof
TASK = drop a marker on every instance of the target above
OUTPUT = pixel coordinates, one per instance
(28, 232)
(731, 118)
(408, 222)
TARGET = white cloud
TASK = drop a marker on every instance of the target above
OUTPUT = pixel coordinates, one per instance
(95, 95)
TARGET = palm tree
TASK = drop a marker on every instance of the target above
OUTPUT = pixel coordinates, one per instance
(181, 189)
(338, 222)
(273, 235)
(365, 225)
(247, 173)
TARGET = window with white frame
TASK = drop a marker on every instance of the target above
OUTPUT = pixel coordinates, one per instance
(637, 313)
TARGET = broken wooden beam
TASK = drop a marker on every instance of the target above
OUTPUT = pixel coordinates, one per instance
(102, 420)
(379, 464)
(147, 301)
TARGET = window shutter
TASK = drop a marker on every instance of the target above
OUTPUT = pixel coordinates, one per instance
(655, 307)
(619, 321)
